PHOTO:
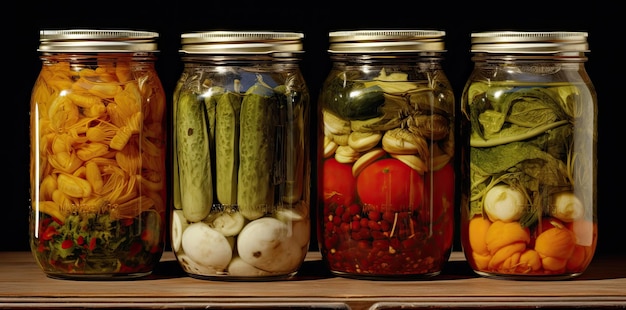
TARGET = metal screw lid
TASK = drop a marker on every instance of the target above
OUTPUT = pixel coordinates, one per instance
(529, 42)
(97, 40)
(386, 41)
(241, 42)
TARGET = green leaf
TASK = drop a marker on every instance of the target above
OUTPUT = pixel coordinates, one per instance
(535, 106)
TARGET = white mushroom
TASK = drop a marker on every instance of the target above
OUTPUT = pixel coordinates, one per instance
(298, 222)
(192, 267)
(239, 268)
(206, 246)
(228, 223)
(179, 224)
(266, 244)
(297, 212)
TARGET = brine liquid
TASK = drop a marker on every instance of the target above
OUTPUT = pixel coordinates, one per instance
(528, 200)
(241, 175)
(386, 175)
(98, 183)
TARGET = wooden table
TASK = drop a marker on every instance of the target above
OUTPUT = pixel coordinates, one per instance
(24, 285)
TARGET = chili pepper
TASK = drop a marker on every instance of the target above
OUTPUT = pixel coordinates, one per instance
(67, 244)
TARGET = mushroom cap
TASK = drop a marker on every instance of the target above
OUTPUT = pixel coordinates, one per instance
(268, 244)
(206, 246)
(240, 268)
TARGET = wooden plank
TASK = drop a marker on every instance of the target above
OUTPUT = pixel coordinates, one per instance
(23, 284)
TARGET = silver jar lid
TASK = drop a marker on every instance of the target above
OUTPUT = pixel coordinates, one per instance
(529, 42)
(241, 42)
(97, 40)
(386, 41)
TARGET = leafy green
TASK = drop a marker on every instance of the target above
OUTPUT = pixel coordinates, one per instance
(533, 106)
(520, 109)
(521, 136)
(492, 122)
(94, 243)
(541, 167)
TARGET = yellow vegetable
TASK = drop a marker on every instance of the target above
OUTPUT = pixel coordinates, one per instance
(477, 231)
(529, 261)
(557, 242)
(504, 253)
(74, 186)
(501, 234)
(85, 118)
(94, 177)
(51, 208)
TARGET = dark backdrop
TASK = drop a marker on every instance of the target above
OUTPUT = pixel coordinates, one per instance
(20, 64)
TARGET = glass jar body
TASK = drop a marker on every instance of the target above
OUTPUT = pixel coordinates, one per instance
(386, 172)
(98, 178)
(528, 193)
(241, 168)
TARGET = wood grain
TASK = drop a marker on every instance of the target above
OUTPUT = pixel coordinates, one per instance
(24, 285)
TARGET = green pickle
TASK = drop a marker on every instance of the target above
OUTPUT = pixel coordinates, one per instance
(257, 226)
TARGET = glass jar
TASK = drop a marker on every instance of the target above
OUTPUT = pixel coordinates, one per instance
(528, 193)
(386, 172)
(241, 189)
(98, 147)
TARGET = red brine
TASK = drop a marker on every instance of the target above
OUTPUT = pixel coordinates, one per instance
(386, 158)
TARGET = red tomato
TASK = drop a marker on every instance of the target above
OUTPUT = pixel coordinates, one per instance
(391, 184)
(339, 183)
(442, 185)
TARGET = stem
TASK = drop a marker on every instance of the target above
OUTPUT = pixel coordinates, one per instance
(393, 227)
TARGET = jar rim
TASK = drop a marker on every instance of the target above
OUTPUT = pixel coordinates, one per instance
(545, 42)
(97, 40)
(241, 42)
(386, 41)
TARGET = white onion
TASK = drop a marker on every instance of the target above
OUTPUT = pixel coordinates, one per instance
(504, 203)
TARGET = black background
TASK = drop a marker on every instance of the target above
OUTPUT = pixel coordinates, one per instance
(20, 65)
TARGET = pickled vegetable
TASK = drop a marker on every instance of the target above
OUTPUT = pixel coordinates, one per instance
(98, 174)
(256, 151)
(387, 177)
(194, 158)
(258, 223)
(526, 162)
